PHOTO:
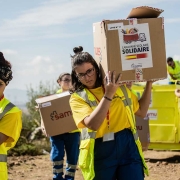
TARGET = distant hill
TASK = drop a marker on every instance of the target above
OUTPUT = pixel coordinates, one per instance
(17, 97)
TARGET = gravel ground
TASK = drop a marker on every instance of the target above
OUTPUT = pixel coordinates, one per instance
(163, 165)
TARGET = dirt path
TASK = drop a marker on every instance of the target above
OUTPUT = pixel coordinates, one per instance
(163, 165)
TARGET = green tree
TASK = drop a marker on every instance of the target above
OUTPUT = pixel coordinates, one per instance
(43, 89)
(31, 122)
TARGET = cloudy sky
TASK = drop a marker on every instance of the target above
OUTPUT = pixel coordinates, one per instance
(38, 36)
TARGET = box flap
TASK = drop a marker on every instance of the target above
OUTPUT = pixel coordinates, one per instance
(52, 97)
(145, 12)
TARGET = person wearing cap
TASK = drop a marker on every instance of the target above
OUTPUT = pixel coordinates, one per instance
(68, 141)
(10, 118)
(173, 68)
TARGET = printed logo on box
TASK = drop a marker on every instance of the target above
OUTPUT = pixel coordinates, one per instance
(139, 128)
(136, 66)
(56, 116)
(152, 114)
(98, 52)
(138, 74)
(135, 46)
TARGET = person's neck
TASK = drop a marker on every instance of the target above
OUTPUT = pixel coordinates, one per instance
(94, 87)
(1, 97)
(64, 90)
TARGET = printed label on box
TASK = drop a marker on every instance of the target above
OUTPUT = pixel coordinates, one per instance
(152, 114)
(46, 104)
(115, 26)
(135, 46)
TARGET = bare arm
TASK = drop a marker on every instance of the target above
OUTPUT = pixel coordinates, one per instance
(97, 117)
(145, 100)
(3, 138)
(172, 77)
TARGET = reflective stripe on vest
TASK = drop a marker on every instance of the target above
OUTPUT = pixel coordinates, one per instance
(85, 134)
(8, 107)
(127, 102)
(83, 94)
(3, 158)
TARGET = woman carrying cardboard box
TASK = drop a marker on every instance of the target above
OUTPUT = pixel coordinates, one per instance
(104, 111)
(67, 141)
(10, 118)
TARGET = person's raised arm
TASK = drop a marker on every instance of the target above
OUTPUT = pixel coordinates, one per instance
(96, 118)
(145, 100)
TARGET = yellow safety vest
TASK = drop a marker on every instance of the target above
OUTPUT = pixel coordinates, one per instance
(86, 155)
(175, 72)
(6, 108)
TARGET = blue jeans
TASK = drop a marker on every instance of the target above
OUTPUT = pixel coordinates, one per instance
(69, 142)
(118, 159)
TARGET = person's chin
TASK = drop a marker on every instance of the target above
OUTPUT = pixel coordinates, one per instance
(90, 85)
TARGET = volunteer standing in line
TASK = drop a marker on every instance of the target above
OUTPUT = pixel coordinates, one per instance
(67, 141)
(104, 111)
(10, 118)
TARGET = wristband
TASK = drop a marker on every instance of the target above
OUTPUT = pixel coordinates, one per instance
(107, 98)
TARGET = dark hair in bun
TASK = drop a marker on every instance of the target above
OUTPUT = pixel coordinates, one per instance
(3, 61)
(77, 49)
(5, 70)
(78, 59)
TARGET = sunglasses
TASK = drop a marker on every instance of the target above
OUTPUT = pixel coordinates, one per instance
(89, 72)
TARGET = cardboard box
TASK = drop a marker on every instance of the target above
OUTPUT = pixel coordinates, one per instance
(134, 47)
(56, 114)
(142, 125)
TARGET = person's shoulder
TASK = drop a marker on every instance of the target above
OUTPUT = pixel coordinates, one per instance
(7, 101)
(59, 91)
(76, 96)
(15, 109)
(177, 61)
